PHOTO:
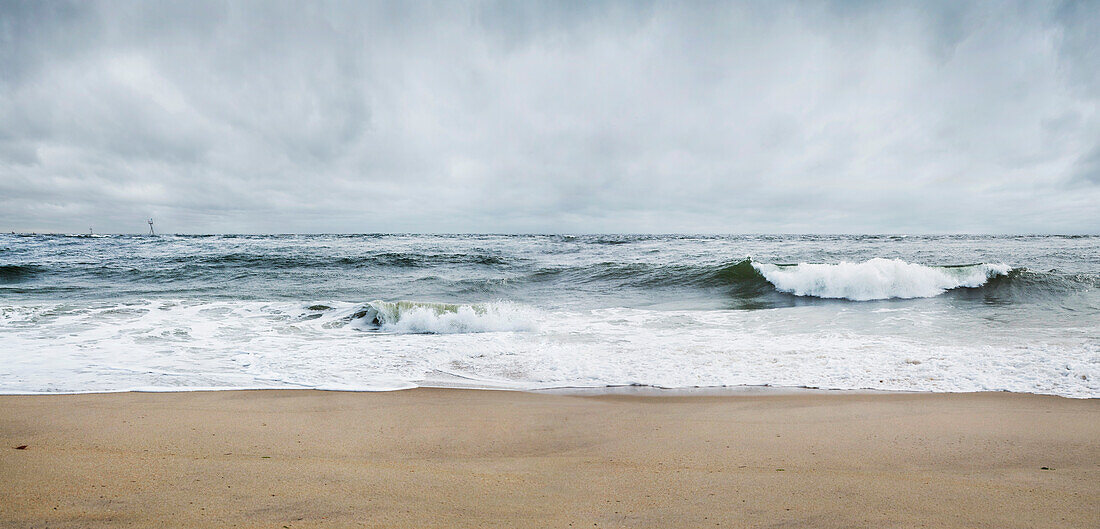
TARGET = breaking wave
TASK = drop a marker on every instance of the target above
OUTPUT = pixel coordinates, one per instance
(415, 317)
(876, 278)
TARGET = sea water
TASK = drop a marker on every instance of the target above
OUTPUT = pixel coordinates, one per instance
(381, 312)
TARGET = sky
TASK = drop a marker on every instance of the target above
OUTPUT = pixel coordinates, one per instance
(550, 117)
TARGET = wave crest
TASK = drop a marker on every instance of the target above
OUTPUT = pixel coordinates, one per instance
(414, 317)
(876, 278)
(17, 273)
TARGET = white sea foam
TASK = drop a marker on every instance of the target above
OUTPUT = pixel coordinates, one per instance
(875, 279)
(443, 318)
(186, 345)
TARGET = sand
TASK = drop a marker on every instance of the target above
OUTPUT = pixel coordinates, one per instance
(467, 458)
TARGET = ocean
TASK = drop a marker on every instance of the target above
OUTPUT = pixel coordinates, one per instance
(384, 312)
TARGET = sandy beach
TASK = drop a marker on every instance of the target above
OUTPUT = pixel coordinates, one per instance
(467, 458)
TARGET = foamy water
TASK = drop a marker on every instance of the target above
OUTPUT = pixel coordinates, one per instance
(390, 312)
(876, 279)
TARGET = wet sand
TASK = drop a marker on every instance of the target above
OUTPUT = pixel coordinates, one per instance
(466, 458)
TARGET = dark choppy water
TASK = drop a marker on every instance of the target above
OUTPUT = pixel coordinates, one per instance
(950, 313)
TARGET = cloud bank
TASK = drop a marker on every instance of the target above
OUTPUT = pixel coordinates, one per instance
(550, 117)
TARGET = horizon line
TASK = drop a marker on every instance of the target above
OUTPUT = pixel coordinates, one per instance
(566, 234)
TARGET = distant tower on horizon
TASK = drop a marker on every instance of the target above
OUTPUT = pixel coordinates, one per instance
(151, 232)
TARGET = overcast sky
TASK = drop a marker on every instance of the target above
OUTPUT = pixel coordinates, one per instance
(550, 117)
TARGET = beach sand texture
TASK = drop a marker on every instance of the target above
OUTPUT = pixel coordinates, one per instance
(467, 458)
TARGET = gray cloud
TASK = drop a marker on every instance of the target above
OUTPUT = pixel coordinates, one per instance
(550, 117)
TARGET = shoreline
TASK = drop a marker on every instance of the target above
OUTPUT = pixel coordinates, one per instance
(430, 457)
(641, 390)
(580, 391)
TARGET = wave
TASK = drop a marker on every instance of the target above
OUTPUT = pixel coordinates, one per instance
(757, 285)
(17, 273)
(876, 278)
(482, 275)
(417, 317)
(382, 259)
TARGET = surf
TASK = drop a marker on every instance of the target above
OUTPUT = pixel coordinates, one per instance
(876, 279)
(423, 317)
